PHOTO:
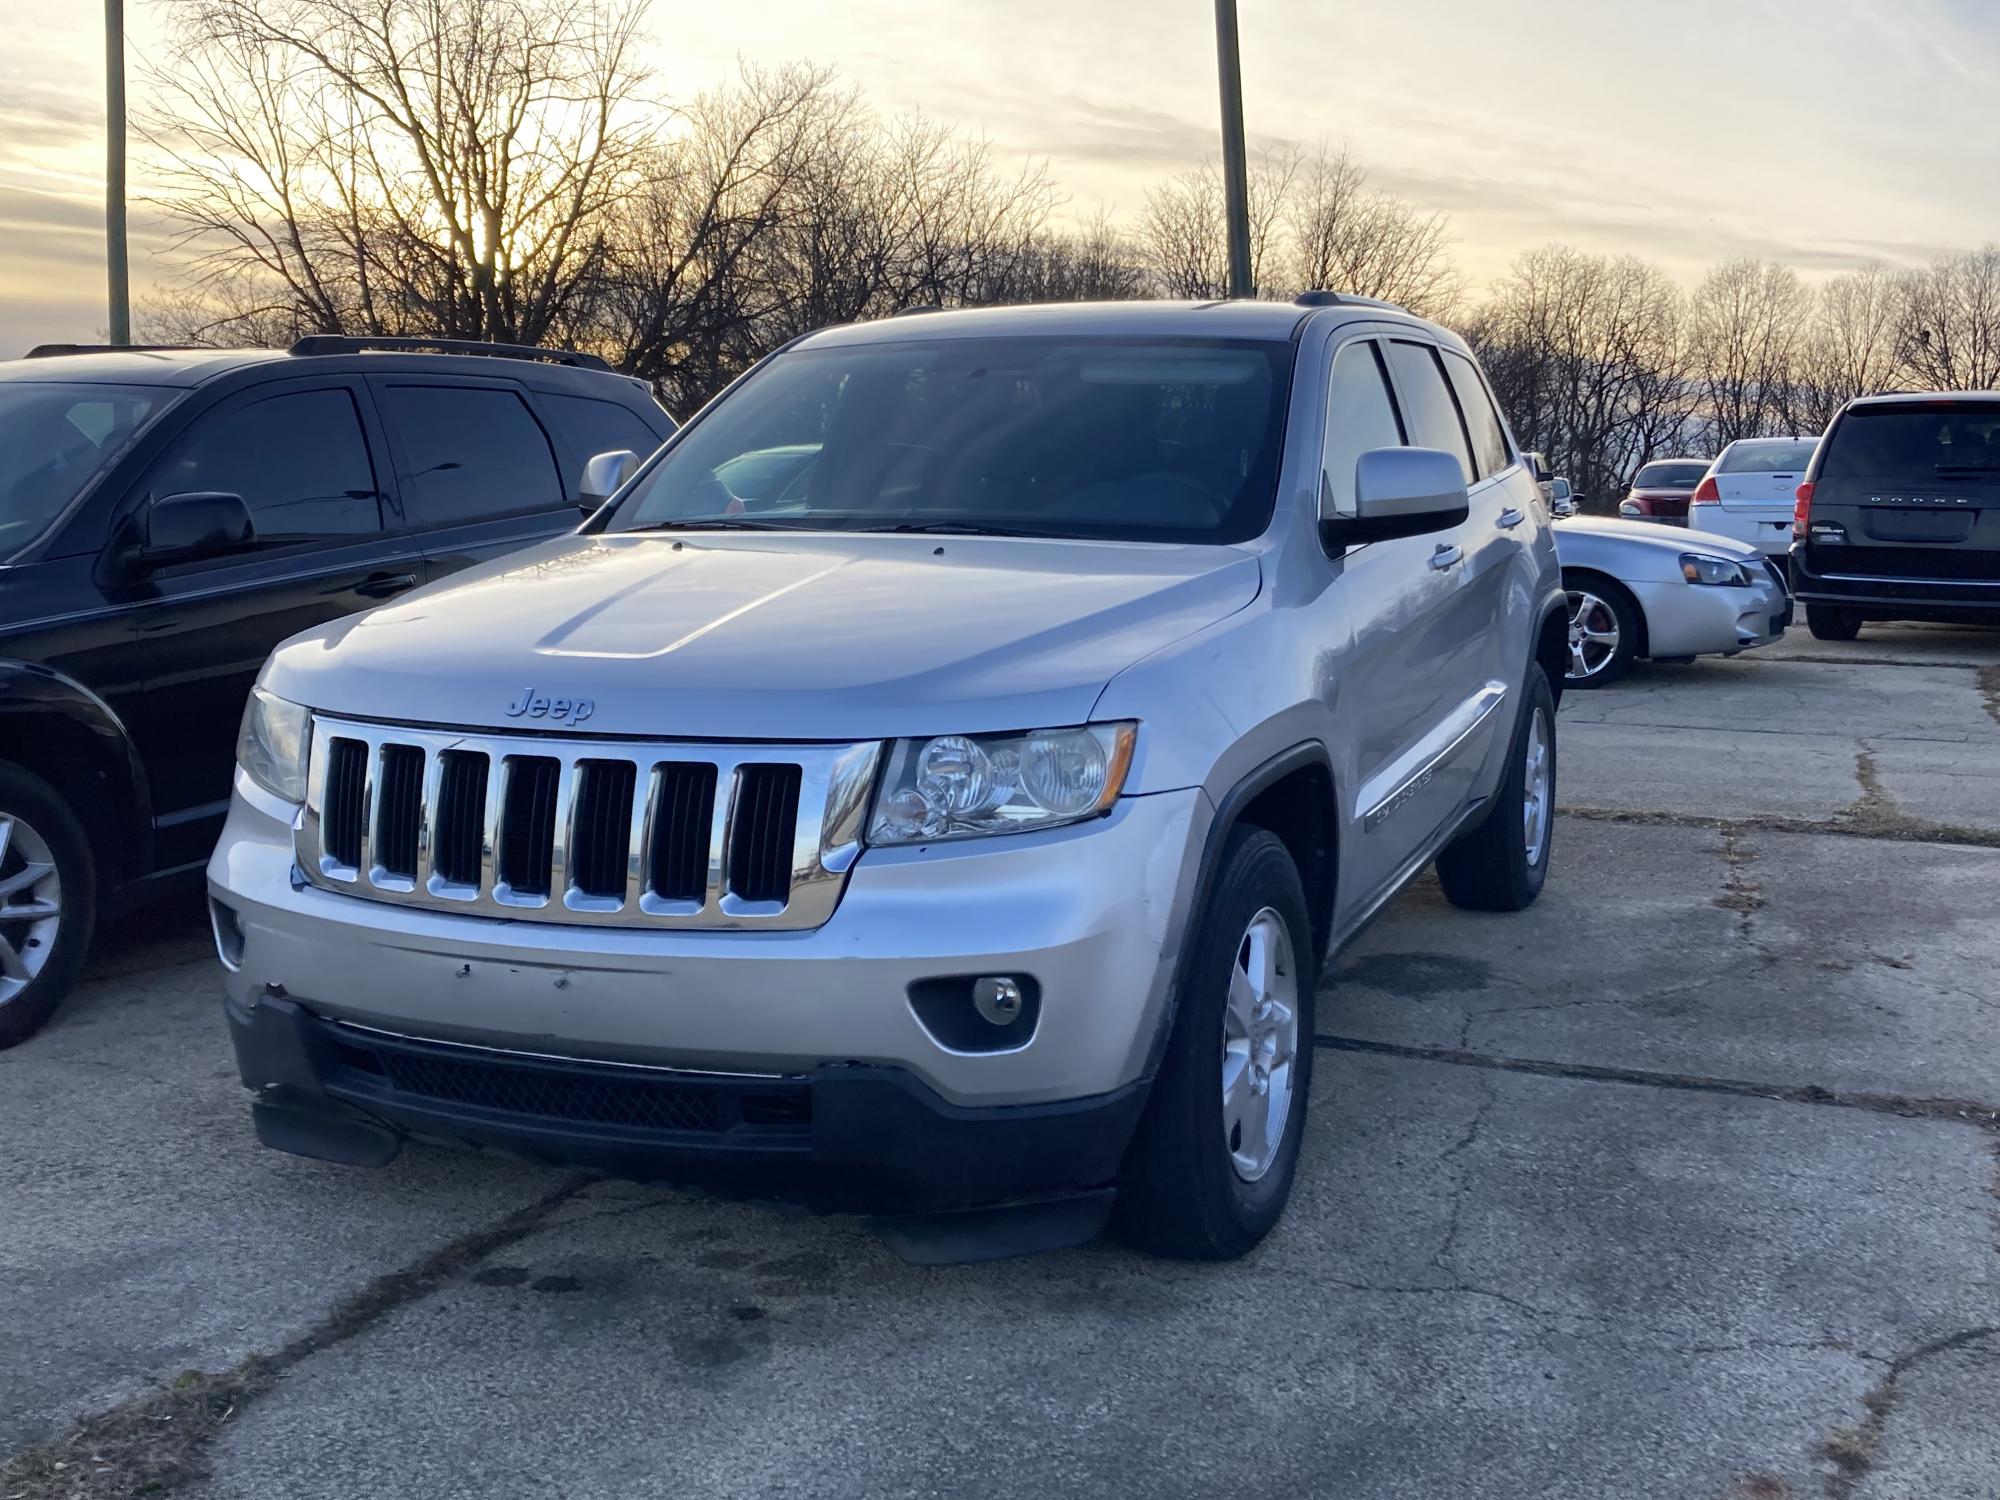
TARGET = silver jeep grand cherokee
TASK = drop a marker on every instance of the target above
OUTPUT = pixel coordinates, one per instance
(931, 787)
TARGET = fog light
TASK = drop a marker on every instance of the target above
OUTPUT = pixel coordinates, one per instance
(998, 1000)
(228, 929)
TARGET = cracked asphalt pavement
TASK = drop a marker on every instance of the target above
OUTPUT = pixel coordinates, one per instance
(1686, 1183)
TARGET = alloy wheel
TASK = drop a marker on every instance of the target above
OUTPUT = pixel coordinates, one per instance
(1593, 635)
(1260, 1044)
(30, 904)
(1535, 798)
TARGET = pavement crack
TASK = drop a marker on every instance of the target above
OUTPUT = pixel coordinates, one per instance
(1853, 1451)
(1954, 1111)
(1898, 829)
(1989, 690)
(1742, 892)
(158, 1441)
(1462, 1177)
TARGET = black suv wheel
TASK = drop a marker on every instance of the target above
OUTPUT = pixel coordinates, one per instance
(1829, 622)
(48, 902)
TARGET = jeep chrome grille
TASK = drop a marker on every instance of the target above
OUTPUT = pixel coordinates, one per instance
(608, 832)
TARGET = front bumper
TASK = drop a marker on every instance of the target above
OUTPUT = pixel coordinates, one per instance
(847, 1138)
(1689, 619)
(1092, 913)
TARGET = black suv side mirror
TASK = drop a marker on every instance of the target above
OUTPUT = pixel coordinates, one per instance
(187, 528)
(1400, 492)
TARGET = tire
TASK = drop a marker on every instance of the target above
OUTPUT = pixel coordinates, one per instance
(1829, 622)
(1599, 607)
(1185, 1190)
(40, 954)
(1499, 864)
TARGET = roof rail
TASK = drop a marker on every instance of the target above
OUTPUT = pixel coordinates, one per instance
(917, 307)
(56, 351)
(1324, 297)
(340, 343)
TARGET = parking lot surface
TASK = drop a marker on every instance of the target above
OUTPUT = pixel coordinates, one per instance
(1683, 1184)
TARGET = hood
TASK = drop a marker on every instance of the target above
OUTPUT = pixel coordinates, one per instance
(761, 636)
(1677, 538)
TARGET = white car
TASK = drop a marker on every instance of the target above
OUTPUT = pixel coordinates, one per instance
(1748, 491)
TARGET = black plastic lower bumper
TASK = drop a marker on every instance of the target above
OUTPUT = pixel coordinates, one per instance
(848, 1138)
(1942, 599)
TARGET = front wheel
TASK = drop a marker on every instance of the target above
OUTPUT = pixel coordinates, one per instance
(1829, 622)
(48, 902)
(1603, 631)
(1502, 862)
(1211, 1166)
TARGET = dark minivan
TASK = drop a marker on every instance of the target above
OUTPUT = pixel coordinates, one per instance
(1899, 516)
(167, 516)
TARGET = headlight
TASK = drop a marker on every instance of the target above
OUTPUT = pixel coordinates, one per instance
(272, 747)
(962, 786)
(1629, 508)
(1699, 567)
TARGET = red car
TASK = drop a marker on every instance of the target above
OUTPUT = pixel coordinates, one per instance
(1660, 490)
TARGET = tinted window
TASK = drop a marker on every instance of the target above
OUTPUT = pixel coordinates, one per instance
(1767, 458)
(299, 461)
(1489, 439)
(54, 439)
(473, 454)
(1912, 443)
(1671, 475)
(595, 427)
(1360, 416)
(1133, 439)
(1427, 405)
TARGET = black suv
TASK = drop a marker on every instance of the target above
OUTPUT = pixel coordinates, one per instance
(1899, 515)
(167, 516)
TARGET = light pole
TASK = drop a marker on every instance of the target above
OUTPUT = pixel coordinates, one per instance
(1235, 186)
(114, 172)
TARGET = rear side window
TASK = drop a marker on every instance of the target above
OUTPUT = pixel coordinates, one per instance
(473, 454)
(1915, 442)
(1670, 475)
(1489, 438)
(299, 460)
(595, 427)
(1766, 458)
(1360, 416)
(1428, 408)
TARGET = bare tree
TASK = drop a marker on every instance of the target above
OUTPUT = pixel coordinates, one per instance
(1747, 333)
(1850, 348)
(1951, 321)
(450, 166)
(1350, 238)
(1185, 239)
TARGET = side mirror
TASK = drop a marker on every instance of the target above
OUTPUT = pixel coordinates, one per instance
(605, 475)
(1539, 463)
(186, 528)
(1400, 492)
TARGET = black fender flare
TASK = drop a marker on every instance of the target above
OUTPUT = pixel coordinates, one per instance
(1304, 755)
(42, 708)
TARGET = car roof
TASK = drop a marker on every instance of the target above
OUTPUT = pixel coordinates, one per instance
(194, 367)
(1919, 398)
(1228, 320)
(1768, 441)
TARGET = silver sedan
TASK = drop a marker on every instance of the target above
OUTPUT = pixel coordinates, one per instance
(1637, 589)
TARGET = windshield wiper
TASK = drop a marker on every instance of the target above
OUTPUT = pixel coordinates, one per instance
(957, 528)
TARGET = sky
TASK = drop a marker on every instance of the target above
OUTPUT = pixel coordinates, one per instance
(1818, 132)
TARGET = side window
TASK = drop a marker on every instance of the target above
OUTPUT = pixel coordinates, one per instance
(1427, 402)
(299, 460)
(1489, 438)
(595, 427)
(1360, 416)
(474, 453)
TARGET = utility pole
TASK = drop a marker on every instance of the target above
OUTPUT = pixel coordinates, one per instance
(1235, 185)
(114, 172)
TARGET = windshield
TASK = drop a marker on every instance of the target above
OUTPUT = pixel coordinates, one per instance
(1669, 476)
(54, 439)
(1768, 458)
(1912, 443)
(1148, 440)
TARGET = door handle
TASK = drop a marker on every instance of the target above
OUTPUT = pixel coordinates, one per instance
(1510, 518)
(382, 585)
(1446, 556)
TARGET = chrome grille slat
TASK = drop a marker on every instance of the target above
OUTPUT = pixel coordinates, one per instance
(641, 835)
